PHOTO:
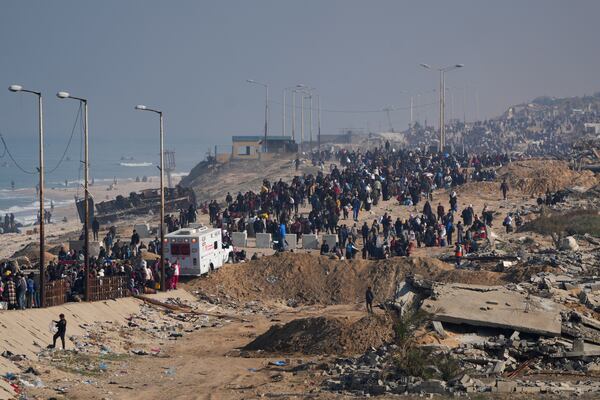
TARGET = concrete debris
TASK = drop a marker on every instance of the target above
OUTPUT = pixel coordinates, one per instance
(496, 307)
(374, 372)
(568, 243)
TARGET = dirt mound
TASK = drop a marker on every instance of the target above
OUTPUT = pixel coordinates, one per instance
(312, 279)
(534, 177)
(489, 188)
(31, 253)
(322, 335)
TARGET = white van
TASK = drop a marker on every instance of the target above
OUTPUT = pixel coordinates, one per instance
(198, 250)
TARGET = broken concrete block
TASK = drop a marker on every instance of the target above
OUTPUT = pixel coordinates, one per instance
(432, 386)
(239, 239)
(505, 386)
(568, 243)
(331, 240)
(263, 240)
(142, 229)
(310, 242)
(467, 304)
(292, 241)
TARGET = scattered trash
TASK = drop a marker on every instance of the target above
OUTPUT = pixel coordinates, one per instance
(278, 363)
(170, 371)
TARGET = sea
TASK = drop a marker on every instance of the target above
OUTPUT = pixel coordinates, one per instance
(121, 158)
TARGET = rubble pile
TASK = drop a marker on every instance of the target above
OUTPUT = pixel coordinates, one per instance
(535, 177)
(488, 367)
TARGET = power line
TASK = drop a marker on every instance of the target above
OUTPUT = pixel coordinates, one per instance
(62, 158)
(361, 111)
(13, 159)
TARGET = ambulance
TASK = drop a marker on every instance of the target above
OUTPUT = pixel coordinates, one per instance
(198, 250)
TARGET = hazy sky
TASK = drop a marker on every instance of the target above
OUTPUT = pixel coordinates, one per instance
(192, 58)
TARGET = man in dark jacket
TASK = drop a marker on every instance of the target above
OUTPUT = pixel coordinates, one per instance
(369, 297)
(61, 326)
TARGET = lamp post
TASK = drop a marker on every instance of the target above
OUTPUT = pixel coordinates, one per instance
(442, 72)
(163, 286)
(266, 86)
(293, 89)
(16, 89)
(306, 93)
(86, 196)
(319, 125)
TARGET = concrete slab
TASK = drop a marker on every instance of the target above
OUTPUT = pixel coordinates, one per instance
(496, 307)
(78, 245)
(292, 241)
(331, 240)
(310, 242)
(143, 230)
(239, 239)
(263, 240)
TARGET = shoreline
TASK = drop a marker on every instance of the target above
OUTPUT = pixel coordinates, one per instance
(65, 220)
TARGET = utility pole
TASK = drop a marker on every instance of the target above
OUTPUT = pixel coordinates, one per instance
(86, 196)
(283, 115)
(294, 115)
(302, 123)
(163, 281)
(319, 125)
(266, 117)
(442, 72)
(42, 272)
(266, 86)
(310, 98)
(42, 287)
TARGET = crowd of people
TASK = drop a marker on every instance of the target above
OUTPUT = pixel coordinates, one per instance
(541, 128)
(333, 202)
(8, 225)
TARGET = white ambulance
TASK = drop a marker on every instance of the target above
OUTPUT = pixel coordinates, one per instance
(198, 250)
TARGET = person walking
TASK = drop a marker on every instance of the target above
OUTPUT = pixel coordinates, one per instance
(61, 326)
(10, 293)
(369, 297)
(458, 253)
(31, 292)
(176, 272)
(95, 228)
(504, 188)
(21, 291)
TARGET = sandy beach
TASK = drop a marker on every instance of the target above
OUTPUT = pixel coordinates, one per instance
(64, 217)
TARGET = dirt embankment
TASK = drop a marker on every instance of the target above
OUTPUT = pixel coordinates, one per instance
(306, 279)
(323, 335)
(213, 181)
(534, 177)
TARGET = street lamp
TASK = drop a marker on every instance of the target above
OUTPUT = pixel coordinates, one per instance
(306, 94)
(86, 224)
(292, 88)
(141, 107)
(442, 71)
(266, 86)
(16, 89)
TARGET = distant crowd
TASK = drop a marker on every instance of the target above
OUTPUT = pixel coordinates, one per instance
(333, 202)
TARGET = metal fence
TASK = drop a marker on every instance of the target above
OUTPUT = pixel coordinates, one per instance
(55, 292)
(108, 288)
